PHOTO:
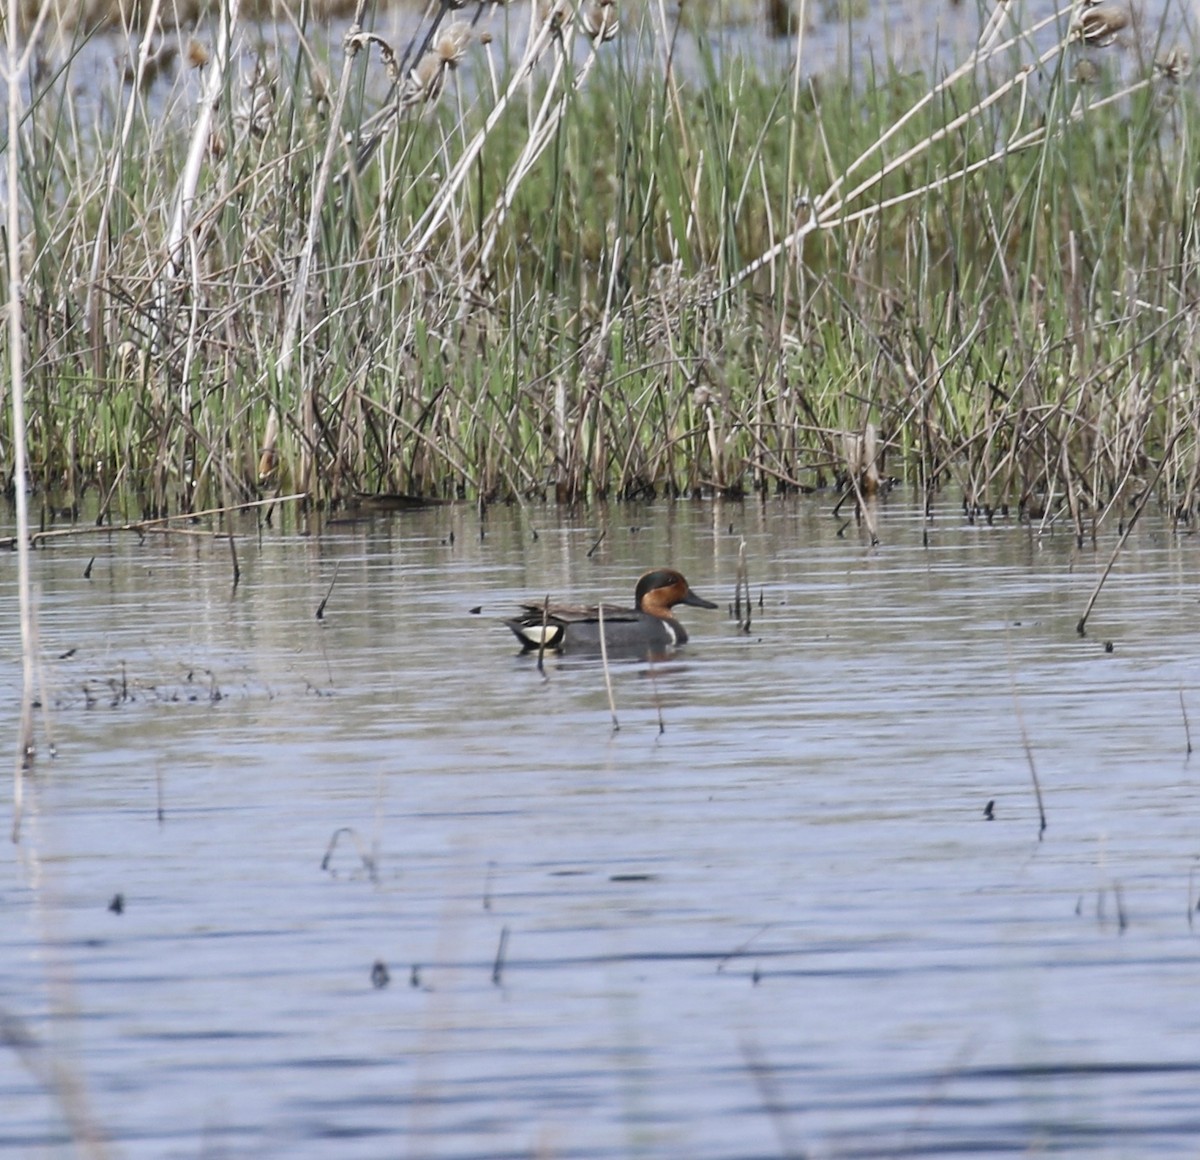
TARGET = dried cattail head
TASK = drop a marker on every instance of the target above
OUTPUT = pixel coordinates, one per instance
(702, 396)
(1173, 66)
(451, 43)
(424, 82)
(428, 77)
(1098, 24)
(318, 89)
(198, 54)
(131, 361)
(1085, 72)
(254, 111)
(600, 20)
(555, 13)
(268, 464)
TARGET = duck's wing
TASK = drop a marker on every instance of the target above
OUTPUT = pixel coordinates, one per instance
(574, 613)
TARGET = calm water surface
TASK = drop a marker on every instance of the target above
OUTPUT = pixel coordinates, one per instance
(780, 926)
(854, 38)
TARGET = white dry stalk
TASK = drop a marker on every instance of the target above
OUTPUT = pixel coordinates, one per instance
(545, 125)
(189, 355)
(1033, 137)
(295, 306)
(666, 41)
(56, 1076)
(829, 209)
(541, 130)
(978, 57)
(91, 312)
(15, 66)
(610, 296)
(426, 226)
(793, 144)
(197, 150)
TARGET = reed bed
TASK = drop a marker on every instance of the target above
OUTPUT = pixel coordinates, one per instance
(529, 255)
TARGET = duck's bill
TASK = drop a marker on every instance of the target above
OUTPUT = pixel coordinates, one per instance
(697, 601)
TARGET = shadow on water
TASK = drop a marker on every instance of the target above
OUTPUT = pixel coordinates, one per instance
(768, 916)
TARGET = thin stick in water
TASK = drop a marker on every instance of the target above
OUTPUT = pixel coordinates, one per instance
(321, 606)
(237, 572)
(498, 965)
(1187, 731)
(743, 585)
(1081, 627)
(487, 887)
(662, 725)
(542, 643)
(773, 1099)
(1037, 787)
(612, 704)
(141, 527)
(369, 862)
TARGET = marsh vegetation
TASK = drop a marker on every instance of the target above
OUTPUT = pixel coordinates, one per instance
(528, 255)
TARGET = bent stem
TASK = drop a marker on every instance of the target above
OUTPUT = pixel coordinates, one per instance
(828, 209)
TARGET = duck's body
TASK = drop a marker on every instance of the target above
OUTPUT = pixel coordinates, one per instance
(649, 625)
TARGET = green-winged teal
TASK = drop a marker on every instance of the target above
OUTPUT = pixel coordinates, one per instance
(648, 625)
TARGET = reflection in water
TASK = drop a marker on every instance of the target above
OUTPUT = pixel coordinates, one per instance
(766, 915)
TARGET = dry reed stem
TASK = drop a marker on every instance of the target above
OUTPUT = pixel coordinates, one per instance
(978, 57)
(59, 1078)
(1026, 745)
(427, 224)
(368, 857)
(742, 584)
(15, 65)
(1143, 499)
(541, 132)
(612, 704)
(790, 191)
(295, 306)
(55, 1077)
(828, 209)
(433, 444)
(541, 657)
(180, 226)
(337, 567)
(149, 525)
(100, 247)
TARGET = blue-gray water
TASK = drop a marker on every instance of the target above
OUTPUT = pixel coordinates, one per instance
(780, 927)
(841, 37)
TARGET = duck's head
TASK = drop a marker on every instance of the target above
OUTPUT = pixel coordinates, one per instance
(659, 591)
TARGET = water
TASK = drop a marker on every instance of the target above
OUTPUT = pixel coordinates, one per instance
(781, 926)
(842, 37)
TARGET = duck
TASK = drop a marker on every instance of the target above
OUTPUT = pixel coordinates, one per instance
(648, 625)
